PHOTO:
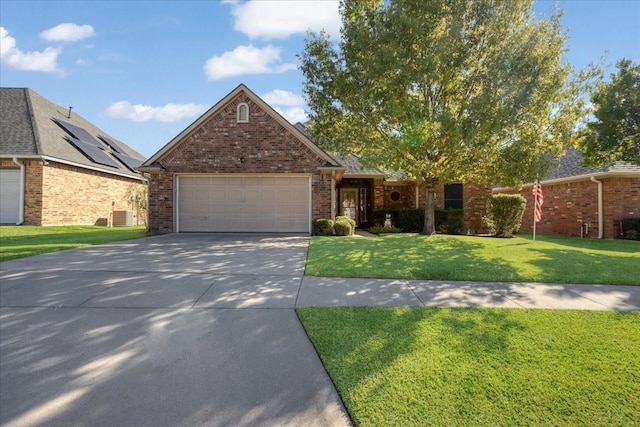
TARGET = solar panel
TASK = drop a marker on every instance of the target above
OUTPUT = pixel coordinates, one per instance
(110, 143)
(79, 133)
(129, 161)
(94, 153)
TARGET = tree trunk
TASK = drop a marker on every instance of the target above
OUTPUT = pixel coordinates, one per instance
(429, 226)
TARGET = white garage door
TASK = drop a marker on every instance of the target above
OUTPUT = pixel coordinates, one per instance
(244, 203)
(9, 195)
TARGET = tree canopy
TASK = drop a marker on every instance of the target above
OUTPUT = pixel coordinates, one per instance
(614, 133)
(445, 91)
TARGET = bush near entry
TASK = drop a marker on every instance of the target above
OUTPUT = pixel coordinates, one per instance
(323, 227)
(411, 220)
(344, 226)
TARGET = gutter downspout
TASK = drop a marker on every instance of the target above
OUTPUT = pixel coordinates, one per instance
(333, 194)
(21, 205)
(600, 210)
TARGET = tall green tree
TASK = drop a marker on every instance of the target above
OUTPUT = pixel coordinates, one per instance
(446, 91)
(614, 133)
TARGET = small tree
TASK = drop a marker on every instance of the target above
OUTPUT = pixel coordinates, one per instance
(504, 213)
(614, 135)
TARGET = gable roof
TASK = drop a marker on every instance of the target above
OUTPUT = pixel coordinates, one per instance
(31, 127)
(570, 166)
(152, 162)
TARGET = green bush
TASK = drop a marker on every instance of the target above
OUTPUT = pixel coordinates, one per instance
(323, 227)
(449, 221)
(631, 228)
(344, 226)
(378, 229)
(411, 220)
(504, 213)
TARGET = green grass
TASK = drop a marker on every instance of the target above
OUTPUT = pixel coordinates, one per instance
(24, 241)
(481, 367)
(553, 259)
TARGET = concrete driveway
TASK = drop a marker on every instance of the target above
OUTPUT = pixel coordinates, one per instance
(190, 329)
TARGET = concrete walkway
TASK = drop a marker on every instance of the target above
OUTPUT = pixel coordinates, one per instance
(322, 291)
(201, 330)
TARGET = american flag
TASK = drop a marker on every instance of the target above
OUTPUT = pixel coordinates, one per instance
(539, 200)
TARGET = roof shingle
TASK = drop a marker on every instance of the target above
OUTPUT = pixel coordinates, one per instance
(29, 128)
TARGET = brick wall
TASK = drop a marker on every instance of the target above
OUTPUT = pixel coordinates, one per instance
(475, 202)
(569, 206)
(59, 194)
(222, 145)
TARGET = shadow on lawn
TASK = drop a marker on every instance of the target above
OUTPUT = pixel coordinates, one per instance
(408, 256)
(363, 349)
(624, 246)
(575, 266)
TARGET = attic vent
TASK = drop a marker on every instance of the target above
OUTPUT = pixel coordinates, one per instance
(243, 113)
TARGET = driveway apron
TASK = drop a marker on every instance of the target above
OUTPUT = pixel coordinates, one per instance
(189, 329)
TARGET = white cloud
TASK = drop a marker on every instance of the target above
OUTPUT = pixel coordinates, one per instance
(30, 61)
(68, 32)
(246, 60)
(144, 113)
(293, 115)
(283, 97)
(276, 19)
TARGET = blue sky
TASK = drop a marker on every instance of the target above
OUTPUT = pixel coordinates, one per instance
(142, 71)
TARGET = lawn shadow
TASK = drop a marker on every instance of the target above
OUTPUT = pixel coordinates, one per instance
(565, 265)
(364, 348)
(406, 256)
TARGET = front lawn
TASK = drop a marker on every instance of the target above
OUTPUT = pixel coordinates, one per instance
(481, 367)
(23, 241)
(552, 259)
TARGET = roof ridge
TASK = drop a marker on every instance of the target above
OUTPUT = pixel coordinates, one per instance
(32, 119)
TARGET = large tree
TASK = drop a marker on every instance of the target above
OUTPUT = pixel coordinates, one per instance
(445, 91)
(614, 133)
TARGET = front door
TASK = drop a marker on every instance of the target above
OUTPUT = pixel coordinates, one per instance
(349, 203)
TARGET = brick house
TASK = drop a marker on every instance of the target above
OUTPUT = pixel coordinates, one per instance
(56, 168)
(583, 201)
(242, 167)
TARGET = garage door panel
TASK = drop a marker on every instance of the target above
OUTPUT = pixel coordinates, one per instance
(9, 196)
(244, 203)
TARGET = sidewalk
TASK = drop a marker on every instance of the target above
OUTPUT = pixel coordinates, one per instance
(324, 291)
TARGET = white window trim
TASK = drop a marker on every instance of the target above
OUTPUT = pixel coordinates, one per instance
(239, 115)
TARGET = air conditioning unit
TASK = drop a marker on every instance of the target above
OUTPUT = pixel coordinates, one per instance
(122, 218)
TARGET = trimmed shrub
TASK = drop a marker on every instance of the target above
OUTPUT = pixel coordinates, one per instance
(631, 228)
(344, 226)
(449, 221)
(411, 220)
(323, 227)
(378, 229)
(504, 213)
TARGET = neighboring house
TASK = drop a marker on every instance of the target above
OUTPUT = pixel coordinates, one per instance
(584, 201)
(56, 168)
(242, 167)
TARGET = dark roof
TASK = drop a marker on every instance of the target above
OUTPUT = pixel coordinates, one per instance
(354, 166)
(570, 165)
(28, 127)
(352, 163)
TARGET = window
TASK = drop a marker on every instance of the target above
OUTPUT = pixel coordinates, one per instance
(395, 196)
(243, 113)
(453, 196)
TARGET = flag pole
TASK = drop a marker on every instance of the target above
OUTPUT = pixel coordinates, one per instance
(535, 206)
